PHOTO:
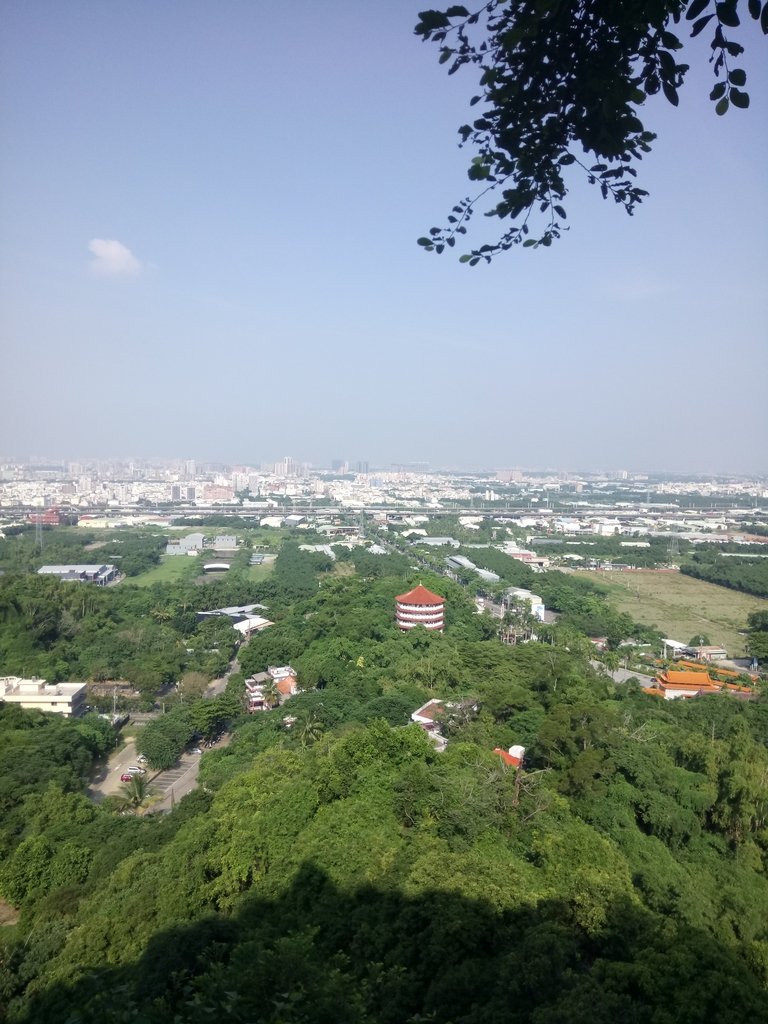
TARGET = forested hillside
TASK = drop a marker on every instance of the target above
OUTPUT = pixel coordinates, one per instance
(333, 866)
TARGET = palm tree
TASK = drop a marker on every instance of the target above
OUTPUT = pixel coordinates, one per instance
(311, 730)
(271, 693)
(134, 794)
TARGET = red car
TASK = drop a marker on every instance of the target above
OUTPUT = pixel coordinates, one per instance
(126, 777)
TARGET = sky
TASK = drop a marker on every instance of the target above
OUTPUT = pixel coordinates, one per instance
(208, 224)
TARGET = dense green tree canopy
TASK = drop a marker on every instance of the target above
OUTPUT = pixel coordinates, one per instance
(561, 84)
(334, 866)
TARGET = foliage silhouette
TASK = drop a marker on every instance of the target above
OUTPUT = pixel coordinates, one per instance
(321, 954)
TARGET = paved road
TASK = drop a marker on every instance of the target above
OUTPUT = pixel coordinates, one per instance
(218, 686)
(107, 781)
(622, 675)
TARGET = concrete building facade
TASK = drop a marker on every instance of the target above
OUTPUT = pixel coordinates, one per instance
(66, 699)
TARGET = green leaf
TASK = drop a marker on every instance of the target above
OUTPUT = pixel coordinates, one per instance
(739, 99)
(671, 93)
(529, 243)
(764, 19)
(754, 8)
(718, 91)
(559, 211)
(457, 11)
(737, 77)
(465, 258)
(722, 106)
(695, 9)
(423, 241)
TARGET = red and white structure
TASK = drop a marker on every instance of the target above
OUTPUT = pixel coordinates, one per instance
(420, 607)
(512, 757)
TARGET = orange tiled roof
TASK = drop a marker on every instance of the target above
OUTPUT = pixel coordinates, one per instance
(420, 595)
(675, 678)
(507, 758)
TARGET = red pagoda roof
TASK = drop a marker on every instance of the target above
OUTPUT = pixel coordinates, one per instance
(420, 595)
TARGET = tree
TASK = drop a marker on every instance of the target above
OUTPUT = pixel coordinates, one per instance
(561, 84)
(133, 794)
(271, 693)
(193, 684)
(700, 640)
(310, 730)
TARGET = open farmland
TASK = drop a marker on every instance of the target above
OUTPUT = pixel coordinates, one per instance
(682, 607)
(170, 569)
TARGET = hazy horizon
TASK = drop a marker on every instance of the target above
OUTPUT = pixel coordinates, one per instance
(208, 246)
(479, 468)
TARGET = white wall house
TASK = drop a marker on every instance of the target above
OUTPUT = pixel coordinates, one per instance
(66, 699)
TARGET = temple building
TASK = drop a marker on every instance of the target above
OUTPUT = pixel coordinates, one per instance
(420, 607)
(672, 685)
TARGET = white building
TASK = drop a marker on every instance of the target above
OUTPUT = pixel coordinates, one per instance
(518, 594)
(189, 545)
(66, 699)
(98, 574)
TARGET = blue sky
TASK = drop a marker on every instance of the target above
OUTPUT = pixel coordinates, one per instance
(207, 249)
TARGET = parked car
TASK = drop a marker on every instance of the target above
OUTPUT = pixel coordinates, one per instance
(136, 770)
(126, 777)
(141, 759)
(195, 750)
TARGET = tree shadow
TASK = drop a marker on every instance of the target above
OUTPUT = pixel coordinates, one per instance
(320, 955)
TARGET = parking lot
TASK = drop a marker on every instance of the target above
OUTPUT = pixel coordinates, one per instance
(175, 783)
(169, 786)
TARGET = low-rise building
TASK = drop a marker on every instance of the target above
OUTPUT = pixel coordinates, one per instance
(674, 684)
(66, 699)
(707, 652)
(98, 574)
(243, 618)
(281, 679)
(520, 595)
(458, 562)
(189, 545)
(427, 716)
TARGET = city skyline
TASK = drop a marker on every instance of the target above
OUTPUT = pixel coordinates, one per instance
(186, 468)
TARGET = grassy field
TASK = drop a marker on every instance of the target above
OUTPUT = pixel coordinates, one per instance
(682, 607)
(171, 569)
(258, 572)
